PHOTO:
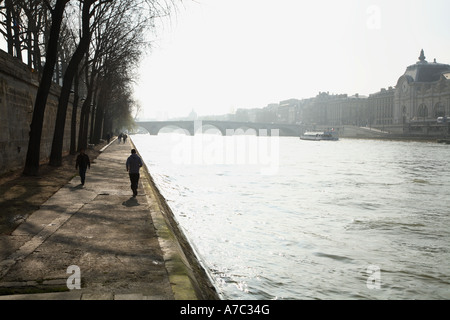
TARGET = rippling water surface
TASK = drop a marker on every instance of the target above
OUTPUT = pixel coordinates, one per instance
(352, 219)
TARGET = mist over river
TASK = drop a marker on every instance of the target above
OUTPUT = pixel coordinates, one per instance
(282, 218)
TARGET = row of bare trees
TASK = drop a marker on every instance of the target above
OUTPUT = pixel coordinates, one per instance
(92, 49)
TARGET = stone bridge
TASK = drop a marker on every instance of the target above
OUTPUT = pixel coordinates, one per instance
(225, 127)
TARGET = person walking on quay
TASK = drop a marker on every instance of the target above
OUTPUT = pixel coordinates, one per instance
(82, 163)
(134, 163)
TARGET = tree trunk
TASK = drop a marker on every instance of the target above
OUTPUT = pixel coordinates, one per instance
(84, 119)
(16, 28)
(93, 112)
(81, 127)
(72, 69)
(99, 115)
(107, 125)
(84, 125)
(82, 131)
(34, 143)
(8, 22)
(73, 124)
(99, 122)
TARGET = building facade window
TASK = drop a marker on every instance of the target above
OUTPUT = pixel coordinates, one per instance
(439, 110)
(422, 111)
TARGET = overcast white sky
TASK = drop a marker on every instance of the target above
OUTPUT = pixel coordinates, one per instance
(216, 56)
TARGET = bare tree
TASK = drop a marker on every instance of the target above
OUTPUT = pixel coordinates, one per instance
(121, 52)
(24, 25)
(34, 143)
(72, 69)
(34, 13)
(118, 43)
(12, 26)
(111, 40)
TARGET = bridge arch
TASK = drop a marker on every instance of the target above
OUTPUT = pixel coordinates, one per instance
(173, 129)
(209, 128)
(245, 130)
(142, 130)
(153, 127)
(192, 127)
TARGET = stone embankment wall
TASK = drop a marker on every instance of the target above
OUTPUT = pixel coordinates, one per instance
(18, 88)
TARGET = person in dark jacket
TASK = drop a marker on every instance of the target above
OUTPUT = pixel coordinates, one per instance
(82, 164)
(134, 163)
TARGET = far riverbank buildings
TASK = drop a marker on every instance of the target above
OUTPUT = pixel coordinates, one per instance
(422, 94)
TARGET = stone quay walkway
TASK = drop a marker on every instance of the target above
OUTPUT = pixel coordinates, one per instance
(97, 242)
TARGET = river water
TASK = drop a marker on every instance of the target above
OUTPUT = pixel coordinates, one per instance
(281, 218)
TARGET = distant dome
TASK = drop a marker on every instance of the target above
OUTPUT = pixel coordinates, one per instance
(192, 115)
(423, 71)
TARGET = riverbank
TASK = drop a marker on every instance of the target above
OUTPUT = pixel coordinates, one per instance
(394, 133)
(121, 246)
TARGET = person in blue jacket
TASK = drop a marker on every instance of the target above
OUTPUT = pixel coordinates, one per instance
(134, 163)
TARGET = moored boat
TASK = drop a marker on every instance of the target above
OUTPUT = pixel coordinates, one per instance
(318, 136)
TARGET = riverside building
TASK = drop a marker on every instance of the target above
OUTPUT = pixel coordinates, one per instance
(420, 97)
(422, 94)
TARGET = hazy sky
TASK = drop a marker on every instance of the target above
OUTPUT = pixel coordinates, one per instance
(216, 56)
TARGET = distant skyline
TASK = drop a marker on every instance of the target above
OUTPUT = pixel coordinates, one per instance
(216, 56)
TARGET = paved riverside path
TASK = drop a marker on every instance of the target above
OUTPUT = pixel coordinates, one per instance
(101, 231)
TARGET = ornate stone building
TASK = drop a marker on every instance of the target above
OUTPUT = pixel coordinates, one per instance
(422, 93)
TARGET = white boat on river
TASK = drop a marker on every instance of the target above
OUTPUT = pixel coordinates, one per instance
(318, 136)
